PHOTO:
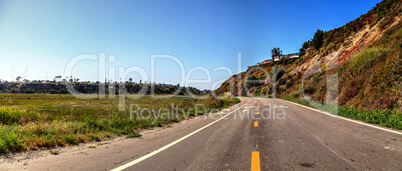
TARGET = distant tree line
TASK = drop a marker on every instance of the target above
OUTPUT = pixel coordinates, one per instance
(89, 88)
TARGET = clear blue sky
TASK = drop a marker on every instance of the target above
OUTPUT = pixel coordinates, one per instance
(38, 39)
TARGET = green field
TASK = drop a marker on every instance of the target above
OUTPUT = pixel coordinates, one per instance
(34, 121)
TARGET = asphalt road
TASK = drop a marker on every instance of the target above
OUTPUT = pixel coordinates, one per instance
(266, 134)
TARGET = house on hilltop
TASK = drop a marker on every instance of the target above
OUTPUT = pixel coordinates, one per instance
(277, 58)
(288, 56)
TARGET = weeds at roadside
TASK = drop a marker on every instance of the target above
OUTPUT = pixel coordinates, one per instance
(388, 118)
(133, 135)
(54, 152)
(10, 140)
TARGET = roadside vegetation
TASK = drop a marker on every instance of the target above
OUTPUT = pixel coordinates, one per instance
(384, 117)
(35, 121)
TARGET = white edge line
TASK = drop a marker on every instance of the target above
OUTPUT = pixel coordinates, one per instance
(125, 166)
(347, 119)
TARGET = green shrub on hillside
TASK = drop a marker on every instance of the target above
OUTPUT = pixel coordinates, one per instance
(367, 58)
(318, 39)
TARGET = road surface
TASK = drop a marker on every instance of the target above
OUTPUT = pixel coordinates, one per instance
(256, 134)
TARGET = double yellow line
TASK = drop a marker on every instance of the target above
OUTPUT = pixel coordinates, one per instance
(256, 122)
(255, 155)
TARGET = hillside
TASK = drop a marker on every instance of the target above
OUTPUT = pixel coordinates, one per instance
(356, 65)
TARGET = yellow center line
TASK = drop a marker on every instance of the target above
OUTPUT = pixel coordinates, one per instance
(256, 124)
(255, 161)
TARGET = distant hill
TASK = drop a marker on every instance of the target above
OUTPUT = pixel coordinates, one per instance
(358, 64)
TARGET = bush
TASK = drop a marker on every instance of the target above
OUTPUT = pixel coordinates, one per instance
(294, 94)
(10, 141)
(54, 152)
(282, 88)
(304, 47)
(29, 92)
(133, 134)
(63, 91)
(15, 116)
(250, 80)
(52, 91)
(257, 92)
(318, 39)
(366, 59)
